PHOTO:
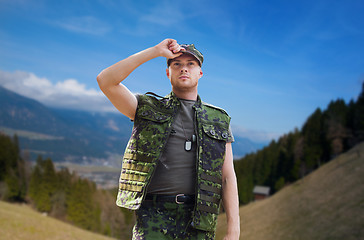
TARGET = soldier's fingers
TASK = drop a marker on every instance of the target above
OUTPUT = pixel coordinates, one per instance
(179, 49)
(182, 49)
(174, 47)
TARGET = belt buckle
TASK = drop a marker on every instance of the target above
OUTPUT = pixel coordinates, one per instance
(179, 195)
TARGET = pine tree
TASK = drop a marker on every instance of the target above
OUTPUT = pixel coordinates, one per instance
(12, 170)
(81, 209)
(43, 184)
(313, 133)
(335, 127)
(358, 120)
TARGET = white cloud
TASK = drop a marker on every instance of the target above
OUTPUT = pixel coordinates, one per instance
(84, 24)
(72, 87)
(66, 94)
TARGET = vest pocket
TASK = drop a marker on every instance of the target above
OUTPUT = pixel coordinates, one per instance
(134, 173)
(148, 113)
(212, 145)
(216, 131)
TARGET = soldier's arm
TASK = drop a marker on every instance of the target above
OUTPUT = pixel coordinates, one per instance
(230, 196)
(110, 79)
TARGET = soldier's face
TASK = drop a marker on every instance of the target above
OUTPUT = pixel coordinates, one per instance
(184, 72)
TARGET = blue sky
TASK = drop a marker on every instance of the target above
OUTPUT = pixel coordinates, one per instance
(270, 64)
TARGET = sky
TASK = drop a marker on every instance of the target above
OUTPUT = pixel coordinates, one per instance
(269, 64)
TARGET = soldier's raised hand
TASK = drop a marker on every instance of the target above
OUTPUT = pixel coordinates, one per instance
(169, 48)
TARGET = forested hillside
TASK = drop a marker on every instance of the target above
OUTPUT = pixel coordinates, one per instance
(326, 204)
(60, 194)
(325, 134)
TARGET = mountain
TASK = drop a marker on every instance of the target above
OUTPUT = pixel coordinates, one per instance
(327, 204)
(243, 146)
(19, 112)
(61, 134)
(71, 135)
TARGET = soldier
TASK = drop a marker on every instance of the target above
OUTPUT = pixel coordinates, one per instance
(178, 164)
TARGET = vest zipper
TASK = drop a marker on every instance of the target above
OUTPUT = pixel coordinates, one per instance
(195, 124)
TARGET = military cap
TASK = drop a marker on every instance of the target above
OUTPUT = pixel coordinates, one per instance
(190, 49)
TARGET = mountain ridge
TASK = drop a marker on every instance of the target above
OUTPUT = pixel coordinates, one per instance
(74, 135)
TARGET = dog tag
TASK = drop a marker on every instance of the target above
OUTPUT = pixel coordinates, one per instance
(188, 145)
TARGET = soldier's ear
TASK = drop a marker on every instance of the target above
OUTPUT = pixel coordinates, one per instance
(167, 71)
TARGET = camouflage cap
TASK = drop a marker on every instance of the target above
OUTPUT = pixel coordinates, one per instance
(190, 49)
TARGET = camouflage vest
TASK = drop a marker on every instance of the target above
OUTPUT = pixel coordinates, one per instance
(152, 127)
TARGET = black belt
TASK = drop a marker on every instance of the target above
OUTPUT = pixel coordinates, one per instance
(179, 198)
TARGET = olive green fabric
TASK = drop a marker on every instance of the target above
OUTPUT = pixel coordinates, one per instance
(152, 127)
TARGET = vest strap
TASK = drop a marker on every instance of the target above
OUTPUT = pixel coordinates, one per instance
(136, 167)
(210, 178)
(133, 177)
(210, 188)
(129, 187)
(210, 199)
(208, 209)
(138, 157)
(153, 94)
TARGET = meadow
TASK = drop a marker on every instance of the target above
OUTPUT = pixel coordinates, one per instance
(21, 222)
(327, 204)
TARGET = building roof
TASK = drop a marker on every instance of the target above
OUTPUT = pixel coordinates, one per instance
(261, 190)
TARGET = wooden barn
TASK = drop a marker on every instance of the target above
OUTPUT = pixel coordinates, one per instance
(261, 192)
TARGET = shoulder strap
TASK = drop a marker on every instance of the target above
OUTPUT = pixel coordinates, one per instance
(153, 94)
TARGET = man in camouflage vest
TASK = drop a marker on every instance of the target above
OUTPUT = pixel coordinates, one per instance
(178, 164)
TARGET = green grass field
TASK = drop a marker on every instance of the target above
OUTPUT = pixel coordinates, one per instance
(327, 204)
(20, 222)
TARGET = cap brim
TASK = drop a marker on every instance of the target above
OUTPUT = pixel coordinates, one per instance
(186, 52)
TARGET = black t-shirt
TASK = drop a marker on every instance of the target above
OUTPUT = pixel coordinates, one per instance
(176, 171)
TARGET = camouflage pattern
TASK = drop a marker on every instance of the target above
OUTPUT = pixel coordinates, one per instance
(213, 133)
(165, 220)
(152, 127)
(190, 49)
